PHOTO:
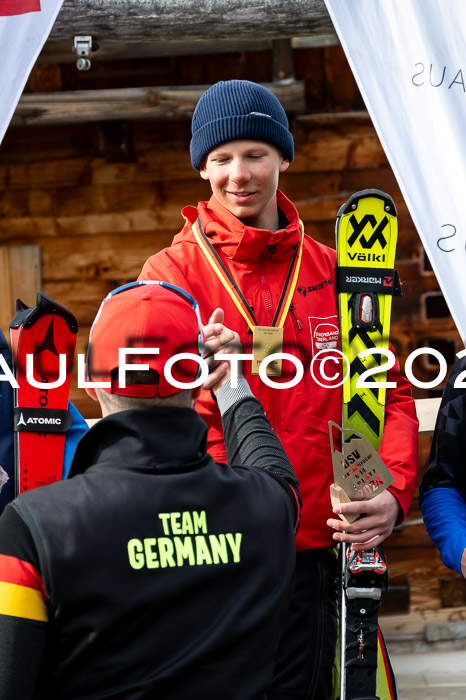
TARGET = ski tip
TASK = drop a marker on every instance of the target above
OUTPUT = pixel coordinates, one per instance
(352, 203)
(21, 305)
(27, 316)
(45, 306)
(22, 311)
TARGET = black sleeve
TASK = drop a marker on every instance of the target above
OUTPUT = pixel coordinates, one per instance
(446, 465)
(22, 640)
(15, 537)
(249, 439)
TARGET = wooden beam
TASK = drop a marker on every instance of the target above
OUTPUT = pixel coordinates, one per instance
(215, 20)
(413, 626)
(131, 103)
(110, 50)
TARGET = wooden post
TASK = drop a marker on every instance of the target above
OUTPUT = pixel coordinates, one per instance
(282, 60)
(20, 277)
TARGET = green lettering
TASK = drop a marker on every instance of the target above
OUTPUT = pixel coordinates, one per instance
(164, 517)
(219, 548)
(200, 521)
(187, 523)
(151, 557)
(176, 527)
(184, 550)
(135, 554)
(235, 544)
(202, 551)
(165, 546)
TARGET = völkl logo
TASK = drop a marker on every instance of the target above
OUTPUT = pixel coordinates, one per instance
(359, 226)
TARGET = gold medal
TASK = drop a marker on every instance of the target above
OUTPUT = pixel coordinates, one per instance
(267, 340)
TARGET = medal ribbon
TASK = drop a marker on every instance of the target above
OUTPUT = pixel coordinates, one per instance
(234, 291)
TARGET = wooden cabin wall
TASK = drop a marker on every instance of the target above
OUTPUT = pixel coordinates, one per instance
(99, 198)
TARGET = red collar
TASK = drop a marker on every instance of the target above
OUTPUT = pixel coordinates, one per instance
(240, 242)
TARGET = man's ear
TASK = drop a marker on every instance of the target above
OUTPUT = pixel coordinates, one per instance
(91, 392)
(203, 172)
(284, 165)
(195, 393)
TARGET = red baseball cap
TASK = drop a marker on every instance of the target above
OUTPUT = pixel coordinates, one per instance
(145, 314)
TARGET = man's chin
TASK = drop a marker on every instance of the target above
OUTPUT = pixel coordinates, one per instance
(240, 210)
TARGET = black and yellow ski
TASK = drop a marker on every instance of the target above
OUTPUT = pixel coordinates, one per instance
(366, 236)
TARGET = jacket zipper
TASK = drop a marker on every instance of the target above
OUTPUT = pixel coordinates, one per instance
(299, 327)
(298, 322)
(275, 411)
(266, 293)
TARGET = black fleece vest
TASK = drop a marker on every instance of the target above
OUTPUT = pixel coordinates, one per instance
(167, 575)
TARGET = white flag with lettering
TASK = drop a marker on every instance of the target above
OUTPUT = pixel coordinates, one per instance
(409, 60)
(24, 28)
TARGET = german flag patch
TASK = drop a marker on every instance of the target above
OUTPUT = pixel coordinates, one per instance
(22, 591)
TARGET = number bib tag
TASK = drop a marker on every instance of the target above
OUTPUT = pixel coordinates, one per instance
(267, 340)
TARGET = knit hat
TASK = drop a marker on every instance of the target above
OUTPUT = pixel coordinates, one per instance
(236, 110)
(146, 314)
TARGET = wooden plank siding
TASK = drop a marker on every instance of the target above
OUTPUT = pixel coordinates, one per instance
(97, 221)
(98, 202)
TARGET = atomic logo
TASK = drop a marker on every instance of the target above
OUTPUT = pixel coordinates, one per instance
(21, 420)
(48, 342)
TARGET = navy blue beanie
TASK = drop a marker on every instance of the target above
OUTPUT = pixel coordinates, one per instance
(236, 110)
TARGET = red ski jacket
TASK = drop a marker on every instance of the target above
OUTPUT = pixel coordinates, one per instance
(259, 261)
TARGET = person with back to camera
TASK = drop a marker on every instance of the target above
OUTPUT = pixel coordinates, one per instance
(152, 571)
(245, 251)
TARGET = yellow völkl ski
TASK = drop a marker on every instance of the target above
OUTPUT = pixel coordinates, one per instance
(366, 233)
(366, 243)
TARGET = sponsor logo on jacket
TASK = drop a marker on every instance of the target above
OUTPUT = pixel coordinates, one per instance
(314, 288)
(325, 333)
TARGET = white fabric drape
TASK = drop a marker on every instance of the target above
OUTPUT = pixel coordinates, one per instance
(24, 28)
(409, 60)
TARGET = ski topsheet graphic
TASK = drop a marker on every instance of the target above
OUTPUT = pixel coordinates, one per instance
(366, 234)
(43, 341)
(366, 282)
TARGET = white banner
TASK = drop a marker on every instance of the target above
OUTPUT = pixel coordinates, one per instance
(409, 60)
(24, 28)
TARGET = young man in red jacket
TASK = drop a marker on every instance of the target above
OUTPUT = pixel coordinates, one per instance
(245, 251)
